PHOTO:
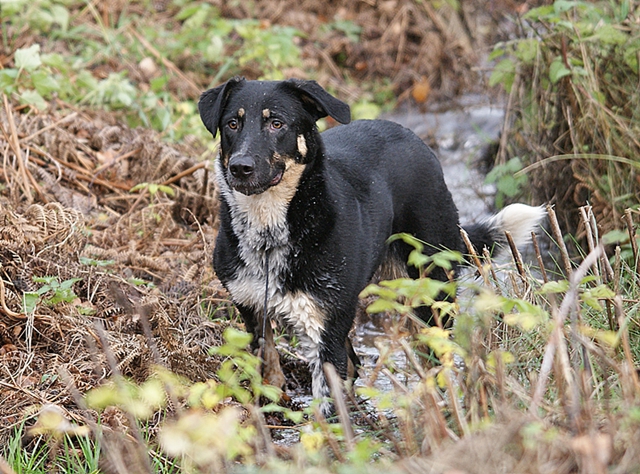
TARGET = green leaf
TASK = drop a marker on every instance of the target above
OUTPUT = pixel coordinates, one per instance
(537, 14)
(526, 321)
(554, 287)
(33, 99)
(383, 306)
(44, 82)
(30, 301)
(418, 259)
(504, 73)
(609, 34)
(557, 70)
(236, 338)
(28, 58)
(527, 50)
(102, 397)
(8, 80)
(615, 236)
(60, 15)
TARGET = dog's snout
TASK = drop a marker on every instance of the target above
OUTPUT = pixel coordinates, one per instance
(241, 167)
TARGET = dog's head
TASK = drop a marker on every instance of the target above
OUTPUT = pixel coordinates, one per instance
(267, 128)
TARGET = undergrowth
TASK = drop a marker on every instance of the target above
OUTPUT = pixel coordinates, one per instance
(572, 115)
(147, 67)
(538, 369)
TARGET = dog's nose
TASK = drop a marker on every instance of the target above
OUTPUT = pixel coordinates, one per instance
(241, 167)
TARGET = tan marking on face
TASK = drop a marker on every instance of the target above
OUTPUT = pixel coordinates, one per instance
(240, 112)
(302, 146)
(266, 113)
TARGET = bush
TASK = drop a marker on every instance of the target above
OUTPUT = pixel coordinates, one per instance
(572, 118)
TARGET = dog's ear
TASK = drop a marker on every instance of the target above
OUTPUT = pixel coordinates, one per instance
(212, 102)
(322, 103)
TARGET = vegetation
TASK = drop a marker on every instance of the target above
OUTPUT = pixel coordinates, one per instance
(119, 351)
(572, 118)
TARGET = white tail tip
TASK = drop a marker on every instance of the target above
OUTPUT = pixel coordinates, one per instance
(520, 220)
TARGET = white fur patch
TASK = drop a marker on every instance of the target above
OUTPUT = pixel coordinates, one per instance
(520, 220)
(240, 112)
(302, 146)
(260, 222)
(266, 113)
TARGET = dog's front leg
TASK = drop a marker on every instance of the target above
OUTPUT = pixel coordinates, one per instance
(330, 347)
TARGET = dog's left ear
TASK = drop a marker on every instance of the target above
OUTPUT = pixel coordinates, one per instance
(321, 101)
(211, 103)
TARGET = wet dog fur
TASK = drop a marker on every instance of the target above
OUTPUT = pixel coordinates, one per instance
(316, 210)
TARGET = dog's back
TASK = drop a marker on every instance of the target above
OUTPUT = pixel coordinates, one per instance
(398, 183)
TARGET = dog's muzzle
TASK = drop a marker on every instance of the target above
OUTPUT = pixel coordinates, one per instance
(245, 177)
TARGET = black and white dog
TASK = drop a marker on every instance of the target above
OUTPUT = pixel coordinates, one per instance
(312, 212)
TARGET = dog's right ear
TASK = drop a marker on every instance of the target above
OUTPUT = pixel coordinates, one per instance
(211, 103)
(322, 103)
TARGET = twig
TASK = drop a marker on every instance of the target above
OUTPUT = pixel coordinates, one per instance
(4, 467)
(632, 237)
(333, 444)
(474, 255)
(50, 126)
(14, 142)
(557, 342)
(184, 173)
(168, 64)
(517, 258)
(335, 383)
(117, 159)
(557, 235)
(586, 213)
(5, 308)
(113, 365)
(494, 277)
(536, 248)
(626, 347)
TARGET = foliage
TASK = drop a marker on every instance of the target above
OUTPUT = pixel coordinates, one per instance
(509, 183)
(51, 293)
(572, 78)
(222, 47)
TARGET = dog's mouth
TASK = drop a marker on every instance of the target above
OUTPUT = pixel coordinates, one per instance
(254, 186)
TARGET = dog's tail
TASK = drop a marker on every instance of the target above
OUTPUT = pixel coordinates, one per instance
(519, 219)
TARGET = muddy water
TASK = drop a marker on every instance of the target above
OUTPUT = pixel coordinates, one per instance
(459, 138)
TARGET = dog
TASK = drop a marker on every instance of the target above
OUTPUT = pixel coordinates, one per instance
(305, 217)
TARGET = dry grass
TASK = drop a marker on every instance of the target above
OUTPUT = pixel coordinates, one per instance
(67, 213)
(579, 136)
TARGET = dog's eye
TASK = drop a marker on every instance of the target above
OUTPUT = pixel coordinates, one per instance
(276, 124)
(232, 124)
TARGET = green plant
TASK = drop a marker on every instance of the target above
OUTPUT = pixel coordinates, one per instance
(31, 79)
(509, 183)
(51, 293)
(573, 118)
